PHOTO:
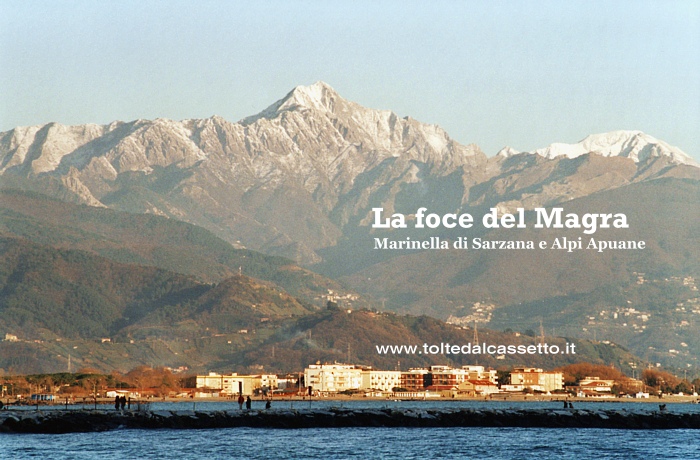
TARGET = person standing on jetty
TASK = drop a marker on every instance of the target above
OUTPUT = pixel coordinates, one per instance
(248, 403)
(240, 402)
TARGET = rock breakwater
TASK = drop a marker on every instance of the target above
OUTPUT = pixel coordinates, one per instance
(66, 421)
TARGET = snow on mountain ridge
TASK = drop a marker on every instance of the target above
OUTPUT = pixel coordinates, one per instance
(507, 151)
(635, 145)
(319, 96)
(290, 179)
(312, 133)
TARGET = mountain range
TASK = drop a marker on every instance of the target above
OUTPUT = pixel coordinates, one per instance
(303, 174)
(300, 178)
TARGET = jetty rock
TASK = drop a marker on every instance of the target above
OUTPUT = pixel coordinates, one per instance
(66, 421)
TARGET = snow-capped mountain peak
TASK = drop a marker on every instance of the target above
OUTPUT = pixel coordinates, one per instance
(507, 151)
(318, 96)
(635, 145)
(291, 179)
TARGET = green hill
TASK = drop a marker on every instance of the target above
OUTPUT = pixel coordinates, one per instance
(151, 240)
(65, 302)
(72, 306)
(75, 294)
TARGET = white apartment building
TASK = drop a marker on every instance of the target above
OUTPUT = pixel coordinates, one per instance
(333, 378)
(384, 381)
(233, 383)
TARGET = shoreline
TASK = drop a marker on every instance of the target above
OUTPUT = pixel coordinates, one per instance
(8, 405)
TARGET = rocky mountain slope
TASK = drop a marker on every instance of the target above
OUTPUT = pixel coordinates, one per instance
(269, 182)
(302, 175)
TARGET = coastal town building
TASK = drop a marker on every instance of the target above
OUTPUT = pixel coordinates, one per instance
(477, 388)
(215, 384)
(480, 373)
(333, 378)
(125, 393)
(507, 388)
(414, 379)
(593, 387)
(384, 381)
(537, 379)
(441, 378)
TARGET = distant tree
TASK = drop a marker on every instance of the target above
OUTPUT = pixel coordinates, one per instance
(573, 373)
(664, 381)
(683, 387)
(158, 380)
(188, 381)
(88, 370)
(695, 384)
(503, 376)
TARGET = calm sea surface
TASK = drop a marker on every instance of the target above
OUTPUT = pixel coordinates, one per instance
(339, 443)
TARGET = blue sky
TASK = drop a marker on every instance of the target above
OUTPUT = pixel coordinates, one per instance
(518, 73)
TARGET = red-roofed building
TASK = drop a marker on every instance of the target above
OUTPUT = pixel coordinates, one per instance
(593, 387)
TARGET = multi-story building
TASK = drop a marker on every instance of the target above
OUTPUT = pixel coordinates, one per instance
(478, 373)
(233, 384)
(212, 381)
(537, 379)
(414, 379)
(445, 377)
(333, 378)
(384, 381)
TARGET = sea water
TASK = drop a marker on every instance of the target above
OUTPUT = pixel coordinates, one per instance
(364, 443)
